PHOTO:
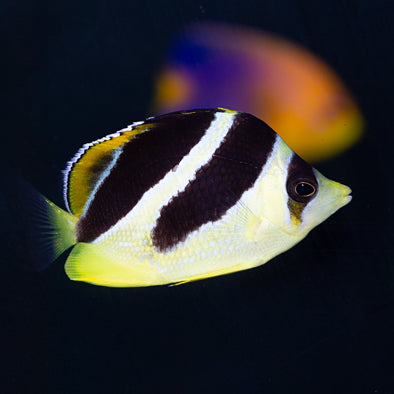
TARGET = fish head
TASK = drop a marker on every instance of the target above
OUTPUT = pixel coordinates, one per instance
(293, 197)
(330, 196)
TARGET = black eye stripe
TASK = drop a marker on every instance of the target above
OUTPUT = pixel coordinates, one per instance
(299, 172)
(301, 186)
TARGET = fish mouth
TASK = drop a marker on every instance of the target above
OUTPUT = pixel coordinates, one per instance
(333, 192)
(347, 197)
(334, 197)
(342, 198)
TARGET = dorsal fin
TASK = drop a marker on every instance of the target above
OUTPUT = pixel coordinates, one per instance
(86, 170)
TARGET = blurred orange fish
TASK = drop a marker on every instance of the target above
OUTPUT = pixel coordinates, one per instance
(221, 65)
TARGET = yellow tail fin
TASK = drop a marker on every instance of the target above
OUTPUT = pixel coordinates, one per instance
(50, 230)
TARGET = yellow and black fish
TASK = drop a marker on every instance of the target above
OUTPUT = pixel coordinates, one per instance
(181, 197)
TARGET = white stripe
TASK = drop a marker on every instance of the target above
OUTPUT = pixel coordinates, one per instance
(81, 152)
(176, 180)
(250, 193)
(115, 156)
(284, 188)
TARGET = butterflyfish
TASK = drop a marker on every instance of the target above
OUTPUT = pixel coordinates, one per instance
(293, 90)
(181, 197)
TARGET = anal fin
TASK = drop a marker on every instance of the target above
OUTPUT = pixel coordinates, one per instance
(94, 263)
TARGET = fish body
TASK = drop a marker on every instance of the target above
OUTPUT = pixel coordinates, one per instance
(295, 92)
(184, 196)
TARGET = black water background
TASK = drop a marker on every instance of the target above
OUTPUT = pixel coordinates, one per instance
(317, 319)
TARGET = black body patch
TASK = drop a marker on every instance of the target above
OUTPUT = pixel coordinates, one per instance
(143, 162)
(218, 185)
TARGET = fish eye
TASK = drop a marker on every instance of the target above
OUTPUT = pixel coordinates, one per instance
(301, 183)
(304, 189)
(301, 189)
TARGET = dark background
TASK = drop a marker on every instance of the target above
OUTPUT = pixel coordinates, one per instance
(317, 319)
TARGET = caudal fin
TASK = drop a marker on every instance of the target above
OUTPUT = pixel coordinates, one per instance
(49, 229)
